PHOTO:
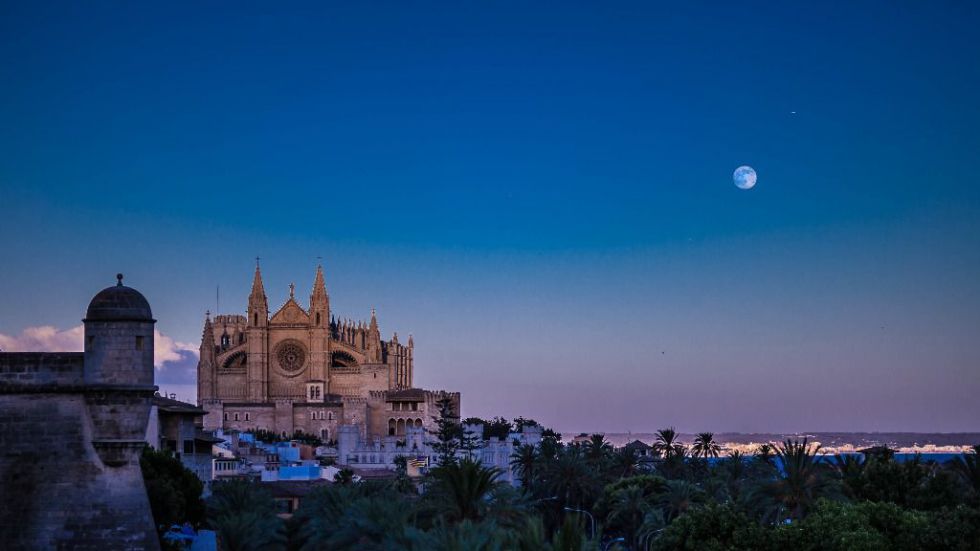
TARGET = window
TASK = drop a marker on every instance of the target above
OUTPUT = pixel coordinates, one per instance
(236, 417)
(188, 446)
(247, 416)
(330, 415)
(255, 319)
(226, 417)
(139, 342)
(318, 319)
(313, 415)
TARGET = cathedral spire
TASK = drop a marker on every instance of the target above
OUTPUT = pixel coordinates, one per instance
(318, 284)
(319, 300)
(374, 321)
(207, 338)
(258, 289)
(258, 305)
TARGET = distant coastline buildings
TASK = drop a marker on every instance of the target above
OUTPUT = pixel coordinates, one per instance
(303, 370)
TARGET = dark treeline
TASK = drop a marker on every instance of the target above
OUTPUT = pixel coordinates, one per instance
(590, 496)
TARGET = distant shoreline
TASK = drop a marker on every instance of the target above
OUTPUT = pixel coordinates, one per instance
(831, 442)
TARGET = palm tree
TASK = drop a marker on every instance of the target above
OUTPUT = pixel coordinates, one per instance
(679, 497)
(465, 536)
(675, 465)
(523, 462)
(850, 469)
(803, 480)
(244, 516)
(732, 473)
(570, 479)
(764, 453)
(629, 507)
(597, 449)
(666, 444)
(464, 489)
(370, 523)
(531, 536)
(625, 462)
(705, 446)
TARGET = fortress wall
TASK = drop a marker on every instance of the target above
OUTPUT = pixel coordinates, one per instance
(55, 490)
(41, 368)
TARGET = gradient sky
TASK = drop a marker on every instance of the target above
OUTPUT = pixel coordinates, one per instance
(541, 194)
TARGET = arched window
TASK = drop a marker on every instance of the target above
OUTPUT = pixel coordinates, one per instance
(236, 417)
(342, 359)
(330, 415)
(318, 319)
(226, 417)
(247, 416)
(255, 319)
(313, 416)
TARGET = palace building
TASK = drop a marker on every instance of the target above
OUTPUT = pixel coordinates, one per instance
(302, 369)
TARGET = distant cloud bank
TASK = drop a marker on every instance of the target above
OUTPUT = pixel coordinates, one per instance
(176, 361)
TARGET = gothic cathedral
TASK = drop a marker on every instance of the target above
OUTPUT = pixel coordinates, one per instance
(303, 370)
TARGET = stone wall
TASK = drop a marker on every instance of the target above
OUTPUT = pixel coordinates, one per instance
(55, 490)
(39, 368)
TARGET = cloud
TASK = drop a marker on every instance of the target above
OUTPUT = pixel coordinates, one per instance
(46, 338)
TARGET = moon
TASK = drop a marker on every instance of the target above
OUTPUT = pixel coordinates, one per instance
(744, 177)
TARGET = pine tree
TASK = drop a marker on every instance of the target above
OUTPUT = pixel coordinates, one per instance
(449, 433)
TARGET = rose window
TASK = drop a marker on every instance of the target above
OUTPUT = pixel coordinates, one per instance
(291, 356)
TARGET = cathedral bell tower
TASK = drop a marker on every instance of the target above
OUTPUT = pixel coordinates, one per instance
(319, 333)
(257, 336)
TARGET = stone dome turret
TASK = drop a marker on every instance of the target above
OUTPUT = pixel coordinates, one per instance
(119, 303)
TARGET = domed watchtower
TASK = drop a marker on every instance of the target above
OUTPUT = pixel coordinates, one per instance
(119, 371)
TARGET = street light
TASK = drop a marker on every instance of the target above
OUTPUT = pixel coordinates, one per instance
(592, 518)
(609, 543)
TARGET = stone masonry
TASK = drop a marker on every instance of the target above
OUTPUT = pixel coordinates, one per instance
(72, 427)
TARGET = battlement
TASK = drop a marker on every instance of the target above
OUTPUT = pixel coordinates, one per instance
(230, 319)
(24, 369)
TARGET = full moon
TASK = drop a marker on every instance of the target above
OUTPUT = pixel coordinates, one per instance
(744, 177)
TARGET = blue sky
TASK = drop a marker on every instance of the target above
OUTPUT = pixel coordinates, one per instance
(541, 195)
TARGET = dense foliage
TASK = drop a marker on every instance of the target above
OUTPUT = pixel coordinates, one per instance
(592, 496)
(174, 492)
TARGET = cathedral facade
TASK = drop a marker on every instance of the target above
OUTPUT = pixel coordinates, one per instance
(302, 369)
